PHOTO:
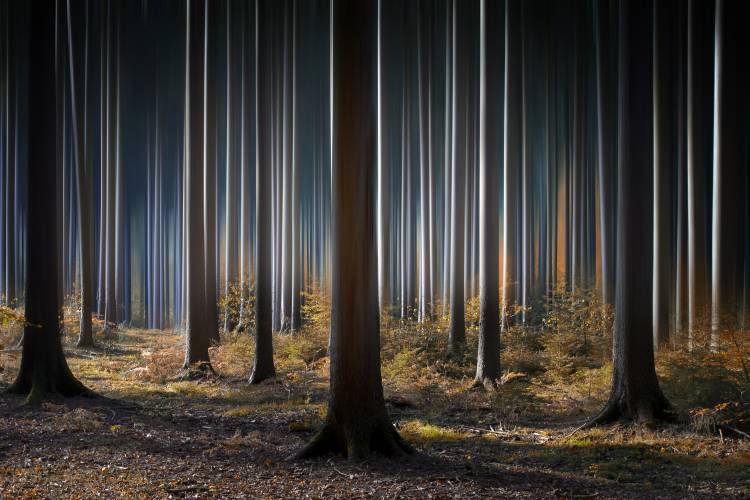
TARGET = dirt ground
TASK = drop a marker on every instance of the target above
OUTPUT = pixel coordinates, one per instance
(153, 436)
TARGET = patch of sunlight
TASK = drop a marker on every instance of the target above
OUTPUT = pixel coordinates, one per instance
(418, 431)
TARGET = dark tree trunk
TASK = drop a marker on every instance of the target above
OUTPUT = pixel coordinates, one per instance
(730, 150)
(83, 186)
(263, 365)
(198, 336)
(699, 89)
(44, 370)
(209, 172)
(512, 158)
(357, 422)
(457, 332)
(665, 136)
(636, 394)
(606, 109)
(490, 107)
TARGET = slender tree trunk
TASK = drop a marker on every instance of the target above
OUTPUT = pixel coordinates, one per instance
(606, 158)
(512, 157)
(83, 186)
(457, 332)
(700, 16)
(664, 147)
(357, 422)
(490, 130)
(635, 392)
(263, 364)
(197, 334)
(44, 370)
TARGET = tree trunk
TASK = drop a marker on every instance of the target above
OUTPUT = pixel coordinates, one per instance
(198, 337)
(700, 61)
(664, 148)
(512, 157)
(210, 172)
(457, 332)
(44, 370)
(606, 108)
(636, 394)
(263, 365)
(490, 130)
(729, 163)
(357, 422)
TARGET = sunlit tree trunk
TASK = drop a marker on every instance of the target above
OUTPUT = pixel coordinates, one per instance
(490, 130)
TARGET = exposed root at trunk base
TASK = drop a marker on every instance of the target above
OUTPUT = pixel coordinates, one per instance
(42, 391)
(356, 444)
(645, 412)
(487, 383)
(197, 371)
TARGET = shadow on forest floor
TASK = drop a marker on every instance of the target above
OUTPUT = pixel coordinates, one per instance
(157, 436)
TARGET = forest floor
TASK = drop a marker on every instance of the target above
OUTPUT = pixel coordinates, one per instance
(153, 435)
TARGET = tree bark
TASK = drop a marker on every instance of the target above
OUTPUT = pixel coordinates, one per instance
(197, 361)
(635, 392)
(357, 422)
(457, 332)
(263, 364)
(490, 130)
(44, 370)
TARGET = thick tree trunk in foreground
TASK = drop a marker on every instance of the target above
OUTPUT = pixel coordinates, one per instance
(490, 107)
(198, 337)
(357, 422)
(44, 370)
(636, 394)
(263, 365)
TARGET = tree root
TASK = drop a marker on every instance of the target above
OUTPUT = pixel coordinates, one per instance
(383, 439)
(197, 371)
(487, 383)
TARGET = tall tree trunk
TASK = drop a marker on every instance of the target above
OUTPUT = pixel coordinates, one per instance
(457, 332)
(664, 148)
(512, 157)
(490, 130)
(210, 168)
(83, 186)
(606, 109)
(700, 18)
(729, 163)
(198, 337)
(44, 370)
(357, 422)
(230, 221)
(263, 364)
(635, 390)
